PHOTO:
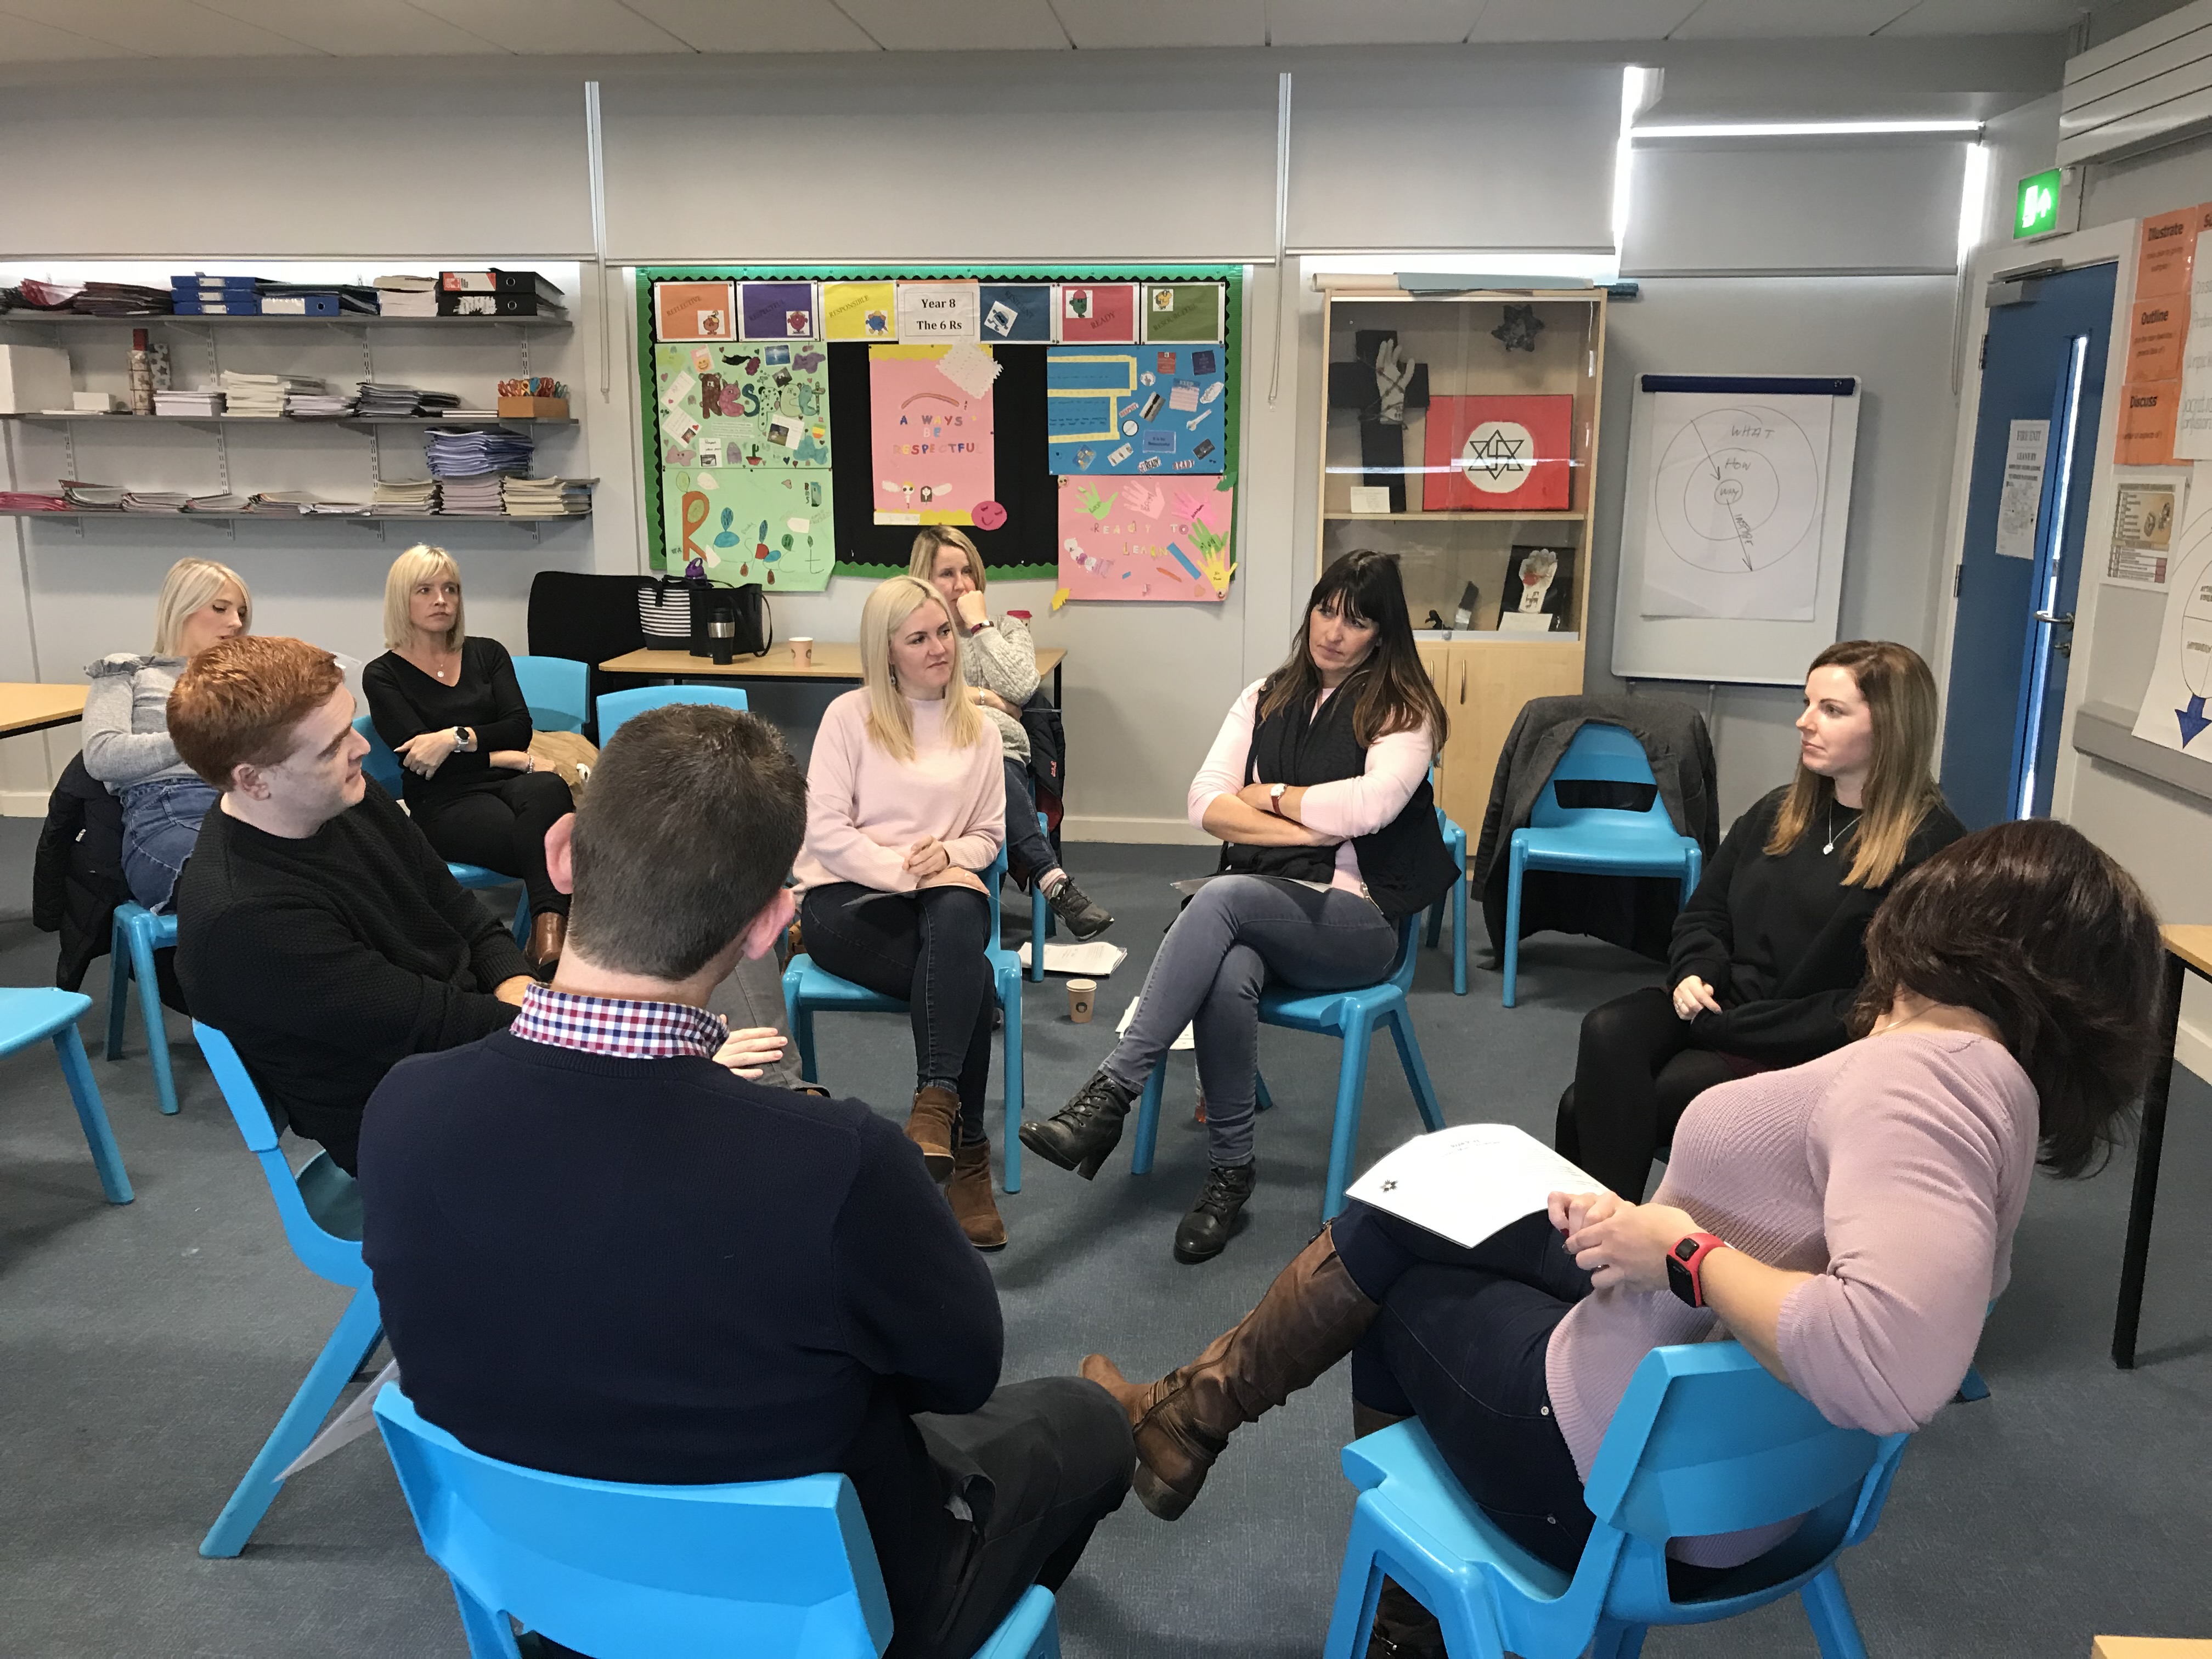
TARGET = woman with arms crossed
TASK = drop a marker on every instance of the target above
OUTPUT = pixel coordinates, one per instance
(999, 662)
(905, 803)
(1318, 787)
(1766, 957)
(1847, 1220)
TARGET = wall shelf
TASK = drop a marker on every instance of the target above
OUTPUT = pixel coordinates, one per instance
(110, 512)
(344, 319)
(457, 423)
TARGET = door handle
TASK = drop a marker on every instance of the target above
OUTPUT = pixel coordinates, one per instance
(2064, 619)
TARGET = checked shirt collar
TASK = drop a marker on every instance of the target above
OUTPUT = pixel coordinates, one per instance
(611, 1025)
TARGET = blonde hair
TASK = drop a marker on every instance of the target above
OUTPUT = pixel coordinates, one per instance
(890, 724)
(932, 539)
(191, 585)
(1900, 696)
(418, 562)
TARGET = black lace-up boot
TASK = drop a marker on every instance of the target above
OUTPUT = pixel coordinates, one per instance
(1081, 1134)
(1203, 1233)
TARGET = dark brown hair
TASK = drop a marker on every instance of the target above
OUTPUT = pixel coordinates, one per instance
(237, 701)
(694, 816)
(2032, 925)
(1391, 691)
(1900, 696)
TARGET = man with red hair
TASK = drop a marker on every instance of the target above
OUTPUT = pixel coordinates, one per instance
(316, 928)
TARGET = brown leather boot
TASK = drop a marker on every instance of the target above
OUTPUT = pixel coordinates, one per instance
(1403, 1628)
(1310, 1319)
(549, 932)
(933, 1126)
(969, 1194)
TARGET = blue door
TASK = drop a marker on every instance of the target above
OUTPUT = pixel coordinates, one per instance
(2042, 361)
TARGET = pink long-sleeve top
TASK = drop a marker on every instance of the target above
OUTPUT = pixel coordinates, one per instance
(1396, 764)
(1895, 1170)
(865, 808)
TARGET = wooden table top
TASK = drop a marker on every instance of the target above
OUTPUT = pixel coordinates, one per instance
(2192, 943)
(832, 659)
(26, 706)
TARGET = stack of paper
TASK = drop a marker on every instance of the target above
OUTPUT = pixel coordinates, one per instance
(380, 402)
(223, 503)
(473, 496)
(1465, 1183)
(202, 402)
(280, 503)
(454, 454)
(98, 498)
(261, 397)
(396, 499)
(154, 501)
(30, 501)
(1096, 959)
(407, 296)
(318, 405)
(333, 509)
(543, 498)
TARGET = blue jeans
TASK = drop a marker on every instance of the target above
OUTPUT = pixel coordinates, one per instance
(160, 822)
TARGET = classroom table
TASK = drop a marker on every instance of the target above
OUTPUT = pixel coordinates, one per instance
(26, 706)
(832, 659)
(2188, 951)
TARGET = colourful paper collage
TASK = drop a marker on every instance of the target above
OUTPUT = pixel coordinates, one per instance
(1135, 410)
(765, 405)
(1145, 540)
(734, 526)
(935, 455)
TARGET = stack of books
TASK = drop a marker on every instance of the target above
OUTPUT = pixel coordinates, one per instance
(497, 292)
(456, 454)
(405, 498)
(154, 501)
(279, 503)
(476, 495)
(93, 497)
(202, 402)
(30, 501)
(547, 498)
(120, 300)
(380, 402)
(202, 295)
(314, 299)
(318, 405)
(261, 397)
(223, 503)
(407, 296)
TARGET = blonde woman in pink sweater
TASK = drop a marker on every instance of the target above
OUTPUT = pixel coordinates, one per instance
(905, 803)
(1848, 1220)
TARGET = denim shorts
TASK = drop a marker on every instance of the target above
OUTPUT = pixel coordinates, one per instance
(160, 822)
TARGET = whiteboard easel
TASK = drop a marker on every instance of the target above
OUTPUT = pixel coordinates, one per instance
(1719, 650)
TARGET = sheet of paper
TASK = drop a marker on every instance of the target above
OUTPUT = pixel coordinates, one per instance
(1187, 1040)
(2145, 517)
(1096, 959)
(1465, 1183)
(969, 367)
(935, 458)
(2020, 501)
(356, 1420)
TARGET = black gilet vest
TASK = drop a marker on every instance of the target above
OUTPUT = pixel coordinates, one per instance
(1404, 863)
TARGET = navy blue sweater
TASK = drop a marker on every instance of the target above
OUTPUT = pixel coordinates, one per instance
(653, 1271)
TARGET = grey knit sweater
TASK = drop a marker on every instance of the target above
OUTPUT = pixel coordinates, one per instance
(126, 721)
(1003, 659)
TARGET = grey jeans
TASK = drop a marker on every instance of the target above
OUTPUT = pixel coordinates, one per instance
(753, 996)
(1238, 934)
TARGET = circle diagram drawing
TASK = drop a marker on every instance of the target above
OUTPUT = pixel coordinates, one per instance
(1737, 490)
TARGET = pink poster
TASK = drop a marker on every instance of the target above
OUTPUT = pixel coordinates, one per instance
(1144, 538)
(935, 462)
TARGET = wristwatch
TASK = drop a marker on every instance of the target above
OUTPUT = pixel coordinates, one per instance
(1275, 798)
(1685, 1264)
(465, 737)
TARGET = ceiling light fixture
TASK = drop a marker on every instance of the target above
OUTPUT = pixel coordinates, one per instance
(1804, 129)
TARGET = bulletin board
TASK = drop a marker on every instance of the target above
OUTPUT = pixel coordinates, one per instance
(1032, 434)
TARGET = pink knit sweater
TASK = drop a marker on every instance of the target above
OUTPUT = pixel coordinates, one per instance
(1896, 1169)
(864, 809)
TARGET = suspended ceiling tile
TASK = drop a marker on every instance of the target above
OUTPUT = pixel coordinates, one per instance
(355, 28)
(1371, 23)
(959, 25)
(1099, 24)
(554, 27)
(757, 25)
(155, 29)
(1989, 17)
(1581, 20)
(1787, 20)
(23, 41)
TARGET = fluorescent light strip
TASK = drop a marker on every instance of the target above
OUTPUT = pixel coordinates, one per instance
(1973, 201)
(1803, 128)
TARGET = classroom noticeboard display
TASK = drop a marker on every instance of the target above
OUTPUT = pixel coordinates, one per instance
(1135, 410)
(747, 524)
(1145, 539)
(934, 456)
(764, 405)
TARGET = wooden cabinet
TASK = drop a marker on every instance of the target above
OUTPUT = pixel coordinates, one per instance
(1504, 588)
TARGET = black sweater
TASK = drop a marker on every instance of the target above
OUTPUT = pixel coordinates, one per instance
(1781, 940)
(324, 960)
(404, 702)
(653, 1271)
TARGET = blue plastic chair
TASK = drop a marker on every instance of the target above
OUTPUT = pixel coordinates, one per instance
(615, 706)
(320, 1209)
(808, 989)
(29, 1013)
(382, 764)
(1594, 841)
(1354, 1016)
(557, 690)
(1455, 844)
(137, 934)
(1705, 1442)
(769, 1569)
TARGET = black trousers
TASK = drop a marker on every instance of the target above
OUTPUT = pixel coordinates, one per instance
(1460, 1342)
(1034, 1471)
(502, 826)
(1028, 853)
(1639, 1067)
(927, 948)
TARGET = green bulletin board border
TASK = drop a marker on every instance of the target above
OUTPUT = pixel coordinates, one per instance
(1232, 276)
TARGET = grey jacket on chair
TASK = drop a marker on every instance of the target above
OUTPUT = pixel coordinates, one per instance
(1635, 911)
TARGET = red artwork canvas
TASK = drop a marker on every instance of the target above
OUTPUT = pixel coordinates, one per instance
(1497, 454)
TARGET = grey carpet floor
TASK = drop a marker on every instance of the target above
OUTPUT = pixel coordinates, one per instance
(146, 1351)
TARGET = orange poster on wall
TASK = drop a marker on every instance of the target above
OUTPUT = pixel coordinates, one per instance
(2157, 329)
(2162, 264)
(2145, 434)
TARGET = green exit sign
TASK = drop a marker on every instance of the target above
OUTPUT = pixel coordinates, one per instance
(2035, 209)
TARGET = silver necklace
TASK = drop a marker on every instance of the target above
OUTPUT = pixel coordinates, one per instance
(1830, 846)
